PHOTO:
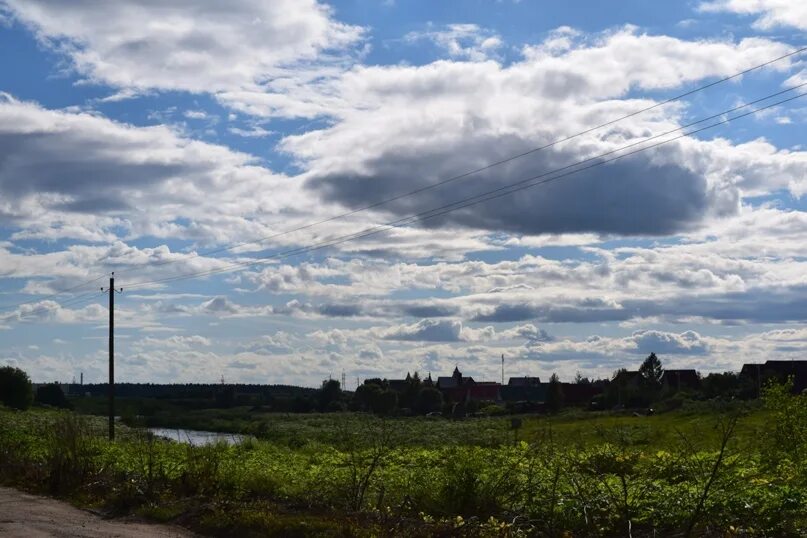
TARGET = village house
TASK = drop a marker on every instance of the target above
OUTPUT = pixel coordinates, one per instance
(759, 374)
(677, 380)
(524, 389)
(458, 388)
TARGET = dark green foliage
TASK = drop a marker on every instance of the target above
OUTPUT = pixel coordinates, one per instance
(554, 394)
(329, 393)
(366, 395)
(651, 371)
(714, 474)
(70, 451)
(225, 397)
(788, 438)
(385, 403)
(429, 400)
(52, 394)
(373, 396)
(408, 398)
(15, 388)
(580, 380)
(302, 404)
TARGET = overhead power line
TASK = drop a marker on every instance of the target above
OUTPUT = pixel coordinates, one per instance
(55, 294)
(529, 182)
(487, 166)
(43, 309)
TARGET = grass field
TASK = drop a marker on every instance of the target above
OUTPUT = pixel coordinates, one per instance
(706, 470)
(572, 427)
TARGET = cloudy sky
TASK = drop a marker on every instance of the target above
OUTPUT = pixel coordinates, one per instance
(199, 149)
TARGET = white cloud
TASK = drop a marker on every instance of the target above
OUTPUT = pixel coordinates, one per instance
(463, 41)
(418, 125)
(427, 330)
(199, 46)
(771, 13)
(176, 342)
(87, 177)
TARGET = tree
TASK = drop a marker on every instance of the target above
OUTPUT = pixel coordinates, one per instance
(331, 391)
(52, 394)
(225, 397)
(15, 388)
(301, 404)
(429, 400)
(554, 394)
(580, 380)
(651, 371)
(726, 385)
(408, 398)
(366, 395)
(385, 403)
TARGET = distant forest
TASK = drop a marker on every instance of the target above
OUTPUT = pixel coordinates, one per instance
(193, 390)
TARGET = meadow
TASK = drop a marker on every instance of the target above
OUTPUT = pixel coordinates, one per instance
(707, 469)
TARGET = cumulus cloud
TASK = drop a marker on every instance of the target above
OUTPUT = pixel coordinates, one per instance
(199, 46)
(470, 114)
(428, 330)
(277, 344)
(81, 176)
(688, 342)
(770, 13)
(176, 342)
(220, 305)
(465, 41)
(53, 312)
(418, 297)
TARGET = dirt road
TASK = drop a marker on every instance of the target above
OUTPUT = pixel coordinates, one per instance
(29, 516)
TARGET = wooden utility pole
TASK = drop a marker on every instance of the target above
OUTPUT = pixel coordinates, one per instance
(111, 387)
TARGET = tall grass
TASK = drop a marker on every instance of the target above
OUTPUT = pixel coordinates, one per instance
(374, 479)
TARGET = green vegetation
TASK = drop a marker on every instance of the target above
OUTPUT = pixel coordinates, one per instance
(705, 469)
(15, 388)
(53, 395)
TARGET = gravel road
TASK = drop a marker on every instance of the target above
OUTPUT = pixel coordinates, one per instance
(29, 516)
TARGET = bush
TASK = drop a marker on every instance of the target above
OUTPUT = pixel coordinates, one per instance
(493, 410)
(15, 388)
(52, 394)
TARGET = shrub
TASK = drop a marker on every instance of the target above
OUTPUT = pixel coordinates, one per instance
(52, 394)
(70, 453)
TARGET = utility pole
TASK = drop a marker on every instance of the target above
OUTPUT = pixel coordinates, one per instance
(502, 368)
(111, 387)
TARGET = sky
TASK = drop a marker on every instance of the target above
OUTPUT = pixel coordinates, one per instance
(265, 180)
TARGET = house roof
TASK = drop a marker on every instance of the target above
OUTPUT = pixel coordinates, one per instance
(680, 373)
(627, 375)
(447, 382)
(682, 377)
(524, 381)
(397, 384)
(789, 367)
(782, 367)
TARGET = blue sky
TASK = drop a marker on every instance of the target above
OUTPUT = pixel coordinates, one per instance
(158, 140)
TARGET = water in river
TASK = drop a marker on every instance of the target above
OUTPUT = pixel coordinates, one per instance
(197, 437)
